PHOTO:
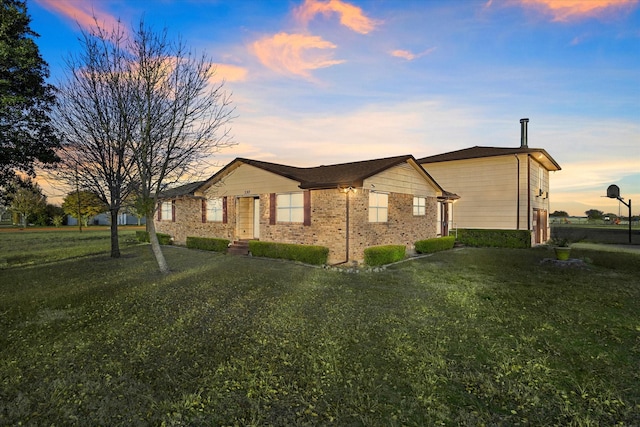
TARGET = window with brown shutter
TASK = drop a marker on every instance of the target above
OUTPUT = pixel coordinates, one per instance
(272, 209)
(173, 211)
(224, 210)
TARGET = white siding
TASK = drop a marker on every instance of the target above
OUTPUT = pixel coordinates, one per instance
(488, 190)
(249, 180)
(403, 179)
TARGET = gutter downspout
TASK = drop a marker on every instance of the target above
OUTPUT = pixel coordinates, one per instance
(529, 192)
(518, 194)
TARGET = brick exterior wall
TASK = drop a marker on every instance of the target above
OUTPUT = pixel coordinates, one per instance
(328, 223)
(189, 222)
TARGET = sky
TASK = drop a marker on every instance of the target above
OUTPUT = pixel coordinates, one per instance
(331, 81)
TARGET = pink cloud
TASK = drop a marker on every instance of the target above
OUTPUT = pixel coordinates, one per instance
(82, 12)
(566, 10)
(351, 16)
(410, 56)
(230, 73)
(295, 54)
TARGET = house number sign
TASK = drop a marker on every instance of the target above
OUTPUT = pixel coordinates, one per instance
(247, 192)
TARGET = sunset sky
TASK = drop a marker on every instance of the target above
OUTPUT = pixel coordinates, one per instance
(331, 81)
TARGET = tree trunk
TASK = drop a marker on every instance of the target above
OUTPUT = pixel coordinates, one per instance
(115, 242)
(155, 246)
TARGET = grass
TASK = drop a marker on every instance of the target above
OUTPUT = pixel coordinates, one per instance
(463, 337)
(20, 248)
(602, 233)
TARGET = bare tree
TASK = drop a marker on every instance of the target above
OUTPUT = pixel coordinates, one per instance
(96, 117)
(141, 113)
(183, 118)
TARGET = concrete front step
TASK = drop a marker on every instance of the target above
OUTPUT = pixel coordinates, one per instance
(239, 247)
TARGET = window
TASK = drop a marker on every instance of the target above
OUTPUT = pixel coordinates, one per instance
(378, 207)
(215, 209)
(419, 206)
(290, 207)
(166, 211)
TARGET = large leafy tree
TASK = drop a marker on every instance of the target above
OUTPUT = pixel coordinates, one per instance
(83, 205)
(594, 214)
(26, 133)
(27, 200)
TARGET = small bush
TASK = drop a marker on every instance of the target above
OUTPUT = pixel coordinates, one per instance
(435, 245)
(380, 255)
(309, 254)
(57, 220)
(495, 238)
(143, 237)
(207, 243)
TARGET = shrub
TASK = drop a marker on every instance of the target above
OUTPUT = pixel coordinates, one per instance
(435, 245)
(57, 220)
(309, 254)
(495, 238)
(380, 255)
(143, 237)
(207, 243)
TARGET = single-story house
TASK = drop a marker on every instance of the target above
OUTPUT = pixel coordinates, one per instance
(499, 188)
(124, 218)
(345, 207)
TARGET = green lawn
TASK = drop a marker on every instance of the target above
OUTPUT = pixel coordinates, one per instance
(40, 245)
(462, 337)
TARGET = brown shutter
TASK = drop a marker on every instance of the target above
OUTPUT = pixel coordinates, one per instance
(204, 210)
(307, 208)
(173, 211)
(272, 209)
(224, 210)
(160, 211)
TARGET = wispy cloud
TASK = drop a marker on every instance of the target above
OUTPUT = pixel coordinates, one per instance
(410, 56)
(294, 54)
(351, 16)
(82, 12)
(230, 73)
(566, 10)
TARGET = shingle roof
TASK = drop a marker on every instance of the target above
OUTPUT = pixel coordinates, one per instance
(480, 152)
(330, 176)
(183, 190)
(319, 177)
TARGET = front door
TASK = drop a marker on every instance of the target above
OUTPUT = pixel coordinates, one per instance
(248, 218)
(540, 226)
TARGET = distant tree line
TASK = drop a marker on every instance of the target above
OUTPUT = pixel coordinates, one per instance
(596, 215)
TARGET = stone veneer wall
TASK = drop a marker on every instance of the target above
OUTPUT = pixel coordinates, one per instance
(328, 223)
